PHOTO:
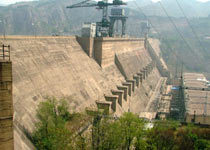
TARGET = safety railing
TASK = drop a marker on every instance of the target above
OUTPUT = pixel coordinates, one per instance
(5, 52)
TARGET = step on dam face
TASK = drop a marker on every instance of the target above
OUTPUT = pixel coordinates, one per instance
(58, 66)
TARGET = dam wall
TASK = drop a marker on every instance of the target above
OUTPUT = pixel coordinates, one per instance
(131, 58)
(87, 44)
(116, 73)
(163, 71)
(106, 48)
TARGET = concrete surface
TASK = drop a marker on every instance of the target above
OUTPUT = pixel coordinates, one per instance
(6, 106)
(58, 66)
(197, 98)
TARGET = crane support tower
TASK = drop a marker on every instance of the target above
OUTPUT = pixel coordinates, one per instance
(102, 27)
(117, 14)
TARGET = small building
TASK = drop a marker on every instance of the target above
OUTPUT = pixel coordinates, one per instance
(164, 106)
(197, 98)
(89, 30)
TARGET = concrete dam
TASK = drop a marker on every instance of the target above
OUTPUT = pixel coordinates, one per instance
(124, 74)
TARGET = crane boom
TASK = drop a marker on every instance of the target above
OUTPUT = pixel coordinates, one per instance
(85, 3)
(100, 4)
(103, 4)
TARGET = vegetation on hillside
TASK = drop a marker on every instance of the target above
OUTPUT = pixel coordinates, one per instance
(50, 17)
(124, 133)
(51, 132)
(56, 127)
(47, 17)
(193, 52)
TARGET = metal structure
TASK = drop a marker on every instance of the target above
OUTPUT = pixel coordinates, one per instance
(117, 14)
(3, 25)
(5, 52)
(88, 30)
(145, 28)
(102, 27)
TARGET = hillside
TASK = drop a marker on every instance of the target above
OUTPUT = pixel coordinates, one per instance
(116, 75)
(192, 8)
(193, 52)
(47, 17)
(50, 17)
(43, 17)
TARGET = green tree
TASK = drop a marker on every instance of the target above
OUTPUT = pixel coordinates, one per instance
(193, 138)
(81, 143)
(110, 135)
(141, 133)
(124, 133)
(202, 144)
(51, 132)
(162, 136)
(131, 128)
(185, 138)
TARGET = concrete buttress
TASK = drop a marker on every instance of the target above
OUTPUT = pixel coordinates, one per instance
(119, 94)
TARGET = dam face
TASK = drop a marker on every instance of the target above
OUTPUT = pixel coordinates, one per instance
(117, 73)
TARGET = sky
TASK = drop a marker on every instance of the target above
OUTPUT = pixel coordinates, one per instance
(197, 0)
(6, 2)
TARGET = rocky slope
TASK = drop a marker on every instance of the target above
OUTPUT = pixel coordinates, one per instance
(47, 17)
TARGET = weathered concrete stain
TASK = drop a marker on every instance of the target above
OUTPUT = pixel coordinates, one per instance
(58, 66)
(6, 106)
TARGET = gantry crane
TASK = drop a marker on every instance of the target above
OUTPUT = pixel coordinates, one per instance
(103, 27)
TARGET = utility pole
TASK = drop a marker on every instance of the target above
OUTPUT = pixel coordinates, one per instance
(182, 71)
(175, 71)
(34, 28)
(205, 107)
(3, 25)
(181, 102)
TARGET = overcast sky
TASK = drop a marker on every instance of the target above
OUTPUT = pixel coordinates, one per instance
(6, 2)
(197, 0)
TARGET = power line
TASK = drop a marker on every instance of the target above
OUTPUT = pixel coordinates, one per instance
(155, 29)
(150, 22)
(172, 22)
(190, 25)
(177, 30)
